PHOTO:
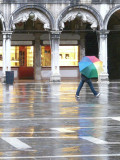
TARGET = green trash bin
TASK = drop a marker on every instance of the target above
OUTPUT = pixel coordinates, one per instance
(9, 77)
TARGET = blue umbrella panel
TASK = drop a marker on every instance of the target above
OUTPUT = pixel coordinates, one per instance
(88, 69)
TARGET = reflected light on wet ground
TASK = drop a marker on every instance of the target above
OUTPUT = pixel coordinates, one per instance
(46, 121)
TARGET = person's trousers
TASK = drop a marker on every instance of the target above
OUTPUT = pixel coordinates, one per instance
(90, 85)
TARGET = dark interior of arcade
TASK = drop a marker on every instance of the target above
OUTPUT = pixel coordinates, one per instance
(114, 46)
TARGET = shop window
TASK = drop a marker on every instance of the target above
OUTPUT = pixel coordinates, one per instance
(1, 56)
(23, 56)
(20, 56)
(68, 55)
(45, 56)
(14, 56)
(29, 56)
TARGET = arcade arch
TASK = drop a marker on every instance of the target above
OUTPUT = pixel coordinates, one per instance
(27, 28)
(78, 24)
(112, 23)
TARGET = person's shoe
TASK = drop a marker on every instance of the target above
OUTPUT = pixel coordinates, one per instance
(77, 96)
(98, 95)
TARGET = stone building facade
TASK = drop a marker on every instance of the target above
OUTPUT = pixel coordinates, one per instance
(91, 25)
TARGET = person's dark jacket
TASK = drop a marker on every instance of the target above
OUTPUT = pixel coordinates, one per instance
(84, 78)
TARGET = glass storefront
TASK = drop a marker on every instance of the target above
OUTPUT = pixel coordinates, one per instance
(20, 56)
(45, 56)
(30, 51)
(23, 56)
(68, 56)
(1, 56)
(15, 56)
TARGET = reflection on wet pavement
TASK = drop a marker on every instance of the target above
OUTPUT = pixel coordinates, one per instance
(46, 121)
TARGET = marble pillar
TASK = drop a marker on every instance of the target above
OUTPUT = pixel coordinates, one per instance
(103, 54)
(6, 53)
(37, 58)
(8, 49)
(55, 69)
(82, 45)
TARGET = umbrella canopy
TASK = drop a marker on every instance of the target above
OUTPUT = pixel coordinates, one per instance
(90, 66)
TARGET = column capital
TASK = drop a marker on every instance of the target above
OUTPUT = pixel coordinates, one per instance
(7, 34)
(55, 34)
(103, 33)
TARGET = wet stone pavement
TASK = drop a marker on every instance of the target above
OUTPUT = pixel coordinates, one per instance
(44, 121)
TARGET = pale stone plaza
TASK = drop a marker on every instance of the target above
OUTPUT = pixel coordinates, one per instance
(45, 121)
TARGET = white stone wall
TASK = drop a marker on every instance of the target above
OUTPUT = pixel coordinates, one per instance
(63, 72)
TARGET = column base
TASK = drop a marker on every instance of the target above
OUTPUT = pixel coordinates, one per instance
(55, 78)
(38, 73)
(104, 77)
(3, 79)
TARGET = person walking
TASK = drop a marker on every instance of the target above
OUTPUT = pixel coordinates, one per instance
(89, 82)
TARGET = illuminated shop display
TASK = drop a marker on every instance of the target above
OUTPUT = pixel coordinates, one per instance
(68, 56)
(1, 56)
(20, 56)
(14, 56)
(45, 56)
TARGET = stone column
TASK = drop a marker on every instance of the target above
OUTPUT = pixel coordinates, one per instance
(55, 70)
(103, 53)
(8, 49)
(4, 56)
(82, 45)
(6, 53)
(37, 58)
